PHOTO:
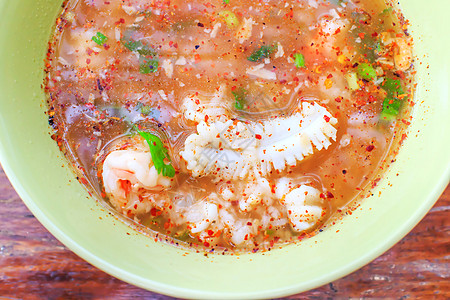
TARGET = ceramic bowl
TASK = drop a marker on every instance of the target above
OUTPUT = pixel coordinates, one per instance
(39, 173)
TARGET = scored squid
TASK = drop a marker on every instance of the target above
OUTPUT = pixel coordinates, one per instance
(232, 149)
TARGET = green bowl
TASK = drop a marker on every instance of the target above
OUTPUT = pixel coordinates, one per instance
(40, 175)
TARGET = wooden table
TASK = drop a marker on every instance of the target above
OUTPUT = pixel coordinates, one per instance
(33, 264)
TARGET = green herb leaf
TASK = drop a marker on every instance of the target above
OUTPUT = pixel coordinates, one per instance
(392, 104)
(226, 1)
(159, 153)
(392, 87)
(299, 60)
(263, 52)
(230, 18)
(366, 71)
(148, 65)
(239, 98)
(391, 108)
(100, 39)
(139, 47)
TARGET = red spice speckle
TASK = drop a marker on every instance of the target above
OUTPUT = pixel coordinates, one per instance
(370, 148)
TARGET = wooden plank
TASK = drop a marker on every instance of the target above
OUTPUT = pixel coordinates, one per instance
(33, 264)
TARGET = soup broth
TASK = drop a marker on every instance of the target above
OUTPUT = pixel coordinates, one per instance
(228, 124)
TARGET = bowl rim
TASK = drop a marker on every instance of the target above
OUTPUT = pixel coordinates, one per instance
(91, 257)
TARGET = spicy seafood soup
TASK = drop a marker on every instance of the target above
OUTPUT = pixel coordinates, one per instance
(229, 125)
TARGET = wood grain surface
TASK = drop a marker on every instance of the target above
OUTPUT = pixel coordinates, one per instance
(34, 265)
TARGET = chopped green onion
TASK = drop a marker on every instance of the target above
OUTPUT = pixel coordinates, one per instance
(159, 154)
(100, 39)
(148, 65)
(230, 18)
(392, 87)
(299, 60)
(352, 81)
(391, 104)
(391, 108)
(263, 52)
(239, 99)
(226, 1)
(366, 71)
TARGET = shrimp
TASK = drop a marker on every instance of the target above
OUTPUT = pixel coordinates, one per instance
(127, 175)
(402, 54)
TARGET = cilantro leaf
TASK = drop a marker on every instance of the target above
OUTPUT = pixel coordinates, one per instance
(100, 39)
(159, 153)
(299, 61)
(263, 52)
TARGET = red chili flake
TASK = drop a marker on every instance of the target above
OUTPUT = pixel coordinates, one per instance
(327, 118)
(206, 244)
(206, 118)
(290, 14)
(121, 21)
(249, 223)
(154, 212)
(125, 185)
(197, 58)
(406, 122)
(258, 136)
(330, 76)
(210, 232)
(375, 34)
(361, 35)
(329, 195)
(337, 30)
(370, 148)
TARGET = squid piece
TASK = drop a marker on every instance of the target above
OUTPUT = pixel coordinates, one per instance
(201, 215)
(234, 149)
(255, 193)
(197, 110)
(245, 31)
